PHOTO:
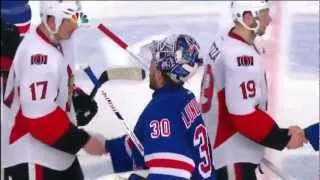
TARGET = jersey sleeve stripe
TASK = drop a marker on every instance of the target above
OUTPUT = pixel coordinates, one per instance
(23, 23)
(23, 28)
(171, 172)
(128, 145)
(9, 99)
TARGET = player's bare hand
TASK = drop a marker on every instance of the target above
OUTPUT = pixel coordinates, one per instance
(94, 146)
(297, 130)
(297, 137)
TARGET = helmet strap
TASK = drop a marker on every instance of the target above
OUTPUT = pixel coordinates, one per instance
(53, 33)
(255, 29)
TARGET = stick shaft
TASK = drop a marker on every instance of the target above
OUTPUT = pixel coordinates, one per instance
(122, 44)
(133, 137)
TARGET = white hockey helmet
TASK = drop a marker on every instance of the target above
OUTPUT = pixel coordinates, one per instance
(239, 7)
(176, 55)
(60, 10)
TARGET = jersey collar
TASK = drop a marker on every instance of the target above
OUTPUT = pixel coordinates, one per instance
(236, 36)
(167, 88)
(47, 40)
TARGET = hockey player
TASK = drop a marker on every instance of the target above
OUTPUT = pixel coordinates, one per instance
(170, 128)
(15, 22)
(234, 97)
(10, 40)
(44, 139)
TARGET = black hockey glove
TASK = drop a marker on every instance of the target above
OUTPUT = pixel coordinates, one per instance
(10, 39)
(136, 177)
(85, 107)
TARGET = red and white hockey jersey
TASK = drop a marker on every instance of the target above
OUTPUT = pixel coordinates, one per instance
(39, 91)
(234, 103)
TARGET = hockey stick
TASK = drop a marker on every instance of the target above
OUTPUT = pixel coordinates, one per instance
(122, 44)
(275, 170)
(130, 73)
(98, 84)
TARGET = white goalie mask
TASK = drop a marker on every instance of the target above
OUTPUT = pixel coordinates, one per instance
(176, 55)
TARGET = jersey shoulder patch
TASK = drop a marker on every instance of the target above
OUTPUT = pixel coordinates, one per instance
(214, 52)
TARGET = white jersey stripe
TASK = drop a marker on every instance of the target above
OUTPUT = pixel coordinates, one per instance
(23, 24)
(32, 171)
(127, 146)
(231, 172)
(171, 171)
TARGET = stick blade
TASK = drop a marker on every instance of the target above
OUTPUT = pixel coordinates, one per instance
(126, 73)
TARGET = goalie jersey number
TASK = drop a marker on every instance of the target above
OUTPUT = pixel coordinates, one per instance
(160, 128)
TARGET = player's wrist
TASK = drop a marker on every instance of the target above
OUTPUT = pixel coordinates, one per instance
(73, 140)
(277, 138)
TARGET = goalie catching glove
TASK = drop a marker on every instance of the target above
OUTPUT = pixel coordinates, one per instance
(85, 107)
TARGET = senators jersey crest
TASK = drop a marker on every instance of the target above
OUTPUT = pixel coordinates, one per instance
(39, 59)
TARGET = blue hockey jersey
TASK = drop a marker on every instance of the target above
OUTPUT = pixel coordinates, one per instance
(312, 134)
(175, 140)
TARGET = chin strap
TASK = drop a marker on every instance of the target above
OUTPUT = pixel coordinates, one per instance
(255, 29)
(52, 33)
